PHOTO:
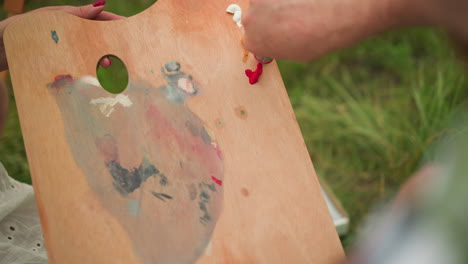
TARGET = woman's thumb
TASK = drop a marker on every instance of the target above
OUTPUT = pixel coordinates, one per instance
(88, 11)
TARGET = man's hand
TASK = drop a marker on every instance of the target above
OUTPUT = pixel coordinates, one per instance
(306, 29)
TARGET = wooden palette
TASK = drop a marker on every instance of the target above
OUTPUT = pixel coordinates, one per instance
(190, 164)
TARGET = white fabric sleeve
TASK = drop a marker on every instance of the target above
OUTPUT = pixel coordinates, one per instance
(21, 239)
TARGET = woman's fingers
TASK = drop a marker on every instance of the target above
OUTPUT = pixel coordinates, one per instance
(105, 62)
(87, 11)
(93, 11)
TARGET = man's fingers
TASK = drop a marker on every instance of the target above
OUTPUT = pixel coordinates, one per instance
(105, 16)
(253, 45)
(416, 183)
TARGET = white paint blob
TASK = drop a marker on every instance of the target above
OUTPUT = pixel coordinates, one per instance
(186, 85)
(236, 10)
(106, 104)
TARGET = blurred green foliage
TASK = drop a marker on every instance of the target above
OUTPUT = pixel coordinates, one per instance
(368, 113)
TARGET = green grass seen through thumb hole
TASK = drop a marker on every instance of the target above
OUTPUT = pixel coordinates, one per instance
(113, 79)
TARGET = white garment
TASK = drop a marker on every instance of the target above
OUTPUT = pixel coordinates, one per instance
(21, 239)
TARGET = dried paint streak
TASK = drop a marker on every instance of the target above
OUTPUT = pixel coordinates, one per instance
(211, 186)
(217, 181)
(205, 136)
(162, 196)
(204, 199)
(192, 129)
(55, 36)
(157, 151)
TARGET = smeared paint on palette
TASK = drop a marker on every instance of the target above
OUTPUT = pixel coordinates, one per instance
(152, 162)
(133, 207)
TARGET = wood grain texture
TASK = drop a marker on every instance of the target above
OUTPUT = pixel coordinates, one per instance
(272, 207)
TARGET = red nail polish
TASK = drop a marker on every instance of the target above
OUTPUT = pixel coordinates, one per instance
(99, 3)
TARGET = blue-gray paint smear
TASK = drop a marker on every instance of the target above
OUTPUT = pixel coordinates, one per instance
(55, 36)
(133, 207)
(128, 180)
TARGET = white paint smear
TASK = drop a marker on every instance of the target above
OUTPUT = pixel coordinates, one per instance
(106, 104)
(209, 249)
(90, 80)
(236, 10)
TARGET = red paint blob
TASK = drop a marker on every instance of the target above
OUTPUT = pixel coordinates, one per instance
(217, 181)
(254, 75)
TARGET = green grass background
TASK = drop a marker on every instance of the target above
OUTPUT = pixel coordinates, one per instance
(368, 113)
